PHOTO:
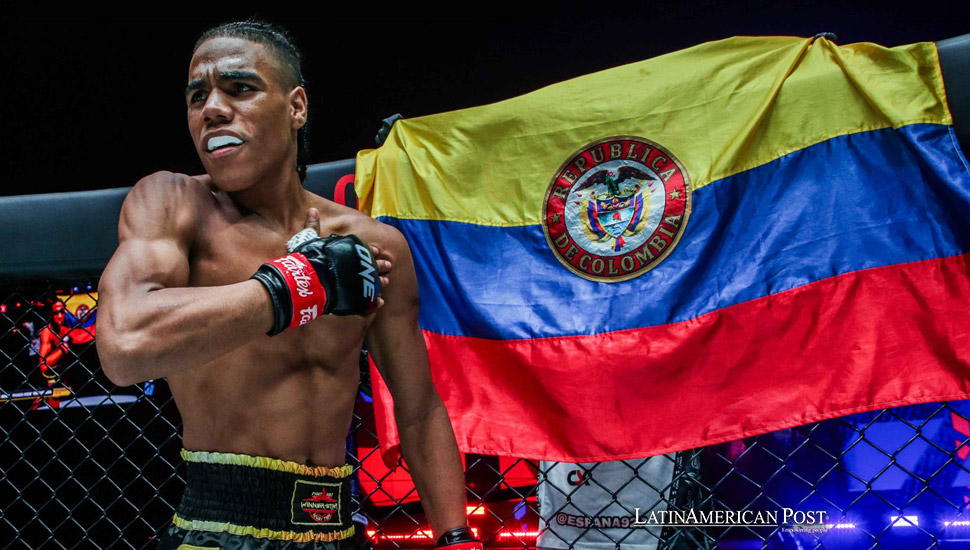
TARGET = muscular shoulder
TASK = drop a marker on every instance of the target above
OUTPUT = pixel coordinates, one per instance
(344, 220)
(383, 235)
(165, 204)
(168, 190)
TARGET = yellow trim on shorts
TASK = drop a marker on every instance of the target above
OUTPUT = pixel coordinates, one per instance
(267, 463)
(243, 530)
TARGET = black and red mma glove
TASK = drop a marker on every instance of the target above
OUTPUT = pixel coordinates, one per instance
(459, 538)
(336, 275)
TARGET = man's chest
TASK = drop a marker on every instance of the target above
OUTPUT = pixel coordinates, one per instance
(230, 250)
(231, 253)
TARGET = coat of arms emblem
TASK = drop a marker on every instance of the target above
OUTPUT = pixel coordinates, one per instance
(616, 208)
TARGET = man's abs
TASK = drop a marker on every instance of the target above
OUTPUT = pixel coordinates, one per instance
(289, 397)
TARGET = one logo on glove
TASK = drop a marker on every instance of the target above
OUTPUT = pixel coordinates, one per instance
(316, 503)
(368, 273)
(616, 208)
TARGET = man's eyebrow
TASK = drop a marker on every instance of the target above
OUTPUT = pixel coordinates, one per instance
(194, 84)
(239, 75)
(228, 75)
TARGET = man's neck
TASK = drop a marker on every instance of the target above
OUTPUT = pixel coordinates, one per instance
(280, 202)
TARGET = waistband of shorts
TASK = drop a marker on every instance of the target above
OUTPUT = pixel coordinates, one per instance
(235, 459)
(265, 498)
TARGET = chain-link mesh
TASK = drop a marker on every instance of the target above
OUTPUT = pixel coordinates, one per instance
(87, 464)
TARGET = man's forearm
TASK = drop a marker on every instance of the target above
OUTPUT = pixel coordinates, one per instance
(51, 359)
(153, 334)
(428, 446)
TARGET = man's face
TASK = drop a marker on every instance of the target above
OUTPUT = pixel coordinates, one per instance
(242, 117)
(58, 313)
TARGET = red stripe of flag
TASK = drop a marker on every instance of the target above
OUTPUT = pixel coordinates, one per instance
(875, 338)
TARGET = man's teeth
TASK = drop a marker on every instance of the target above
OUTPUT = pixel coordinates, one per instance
(222, 141)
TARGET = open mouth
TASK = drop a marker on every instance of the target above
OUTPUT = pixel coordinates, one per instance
(222, 142)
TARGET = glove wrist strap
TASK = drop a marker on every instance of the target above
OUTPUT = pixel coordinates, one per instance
(308, 297)
(307, 294)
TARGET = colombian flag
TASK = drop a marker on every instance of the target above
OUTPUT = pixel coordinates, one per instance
(736, 238)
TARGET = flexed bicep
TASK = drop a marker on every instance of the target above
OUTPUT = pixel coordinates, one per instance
(150, 319)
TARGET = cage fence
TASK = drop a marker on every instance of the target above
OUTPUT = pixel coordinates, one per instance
(86, 464)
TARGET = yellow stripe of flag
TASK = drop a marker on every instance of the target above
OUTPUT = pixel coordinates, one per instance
(721, 108)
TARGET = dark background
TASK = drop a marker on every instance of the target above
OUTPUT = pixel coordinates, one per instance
(94, 100)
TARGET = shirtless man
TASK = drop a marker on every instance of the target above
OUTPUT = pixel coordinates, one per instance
(265, 417)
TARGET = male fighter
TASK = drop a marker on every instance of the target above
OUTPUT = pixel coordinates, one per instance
(262, 354)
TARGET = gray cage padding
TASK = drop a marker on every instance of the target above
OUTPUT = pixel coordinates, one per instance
(955, 63)
(69, 236)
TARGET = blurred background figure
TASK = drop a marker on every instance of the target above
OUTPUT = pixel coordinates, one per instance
(54, 343)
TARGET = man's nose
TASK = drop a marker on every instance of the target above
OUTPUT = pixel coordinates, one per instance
(216, 107)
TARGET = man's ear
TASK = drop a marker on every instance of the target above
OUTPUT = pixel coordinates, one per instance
(298, 107)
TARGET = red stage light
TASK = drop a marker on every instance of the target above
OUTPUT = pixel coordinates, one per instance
(422, 534)
(518, 534)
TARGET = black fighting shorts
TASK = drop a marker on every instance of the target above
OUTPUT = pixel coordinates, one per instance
(235, 501)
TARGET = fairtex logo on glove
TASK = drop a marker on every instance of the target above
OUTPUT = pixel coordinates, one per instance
(297, 270)
(308, 314)
(309, 293)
